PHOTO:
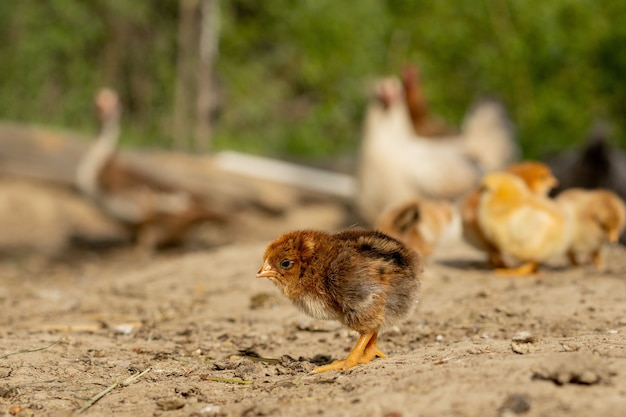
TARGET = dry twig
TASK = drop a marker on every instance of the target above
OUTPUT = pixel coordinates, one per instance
(111, 387)
(30, 350)
(227, 380)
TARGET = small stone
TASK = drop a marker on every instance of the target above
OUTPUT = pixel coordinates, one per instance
(524, 337)
(126, 328)
(567, 347)
(170, 404)
(210, 410)
(523, 342)
(574, 368)
(522, 348)
(515, 404)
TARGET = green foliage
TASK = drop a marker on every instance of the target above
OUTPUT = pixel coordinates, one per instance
(294, 73)
(56, 54)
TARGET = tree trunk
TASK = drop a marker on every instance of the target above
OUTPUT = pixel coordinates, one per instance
(186, 73)
(207, 46)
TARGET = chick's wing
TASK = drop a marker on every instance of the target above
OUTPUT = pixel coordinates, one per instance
(534, 231)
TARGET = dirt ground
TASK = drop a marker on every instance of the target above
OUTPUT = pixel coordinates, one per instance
(194, 333)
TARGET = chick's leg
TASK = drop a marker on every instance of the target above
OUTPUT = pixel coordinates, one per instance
(353, 359)
(147, 241)
(371, 351)
(598, 259)
(495, 259)
(572, 258)
(528, 268)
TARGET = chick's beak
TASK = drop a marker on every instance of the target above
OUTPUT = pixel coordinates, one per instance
(266, 271)
(613, 235)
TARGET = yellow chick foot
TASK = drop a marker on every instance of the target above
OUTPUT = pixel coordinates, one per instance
(529, 268)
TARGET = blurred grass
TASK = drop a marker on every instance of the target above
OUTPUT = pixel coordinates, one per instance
(293, 75)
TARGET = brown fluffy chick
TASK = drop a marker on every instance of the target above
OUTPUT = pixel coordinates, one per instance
(365, 279)
(539, 180)
(419, 223)
(525, 226)
(599, 217)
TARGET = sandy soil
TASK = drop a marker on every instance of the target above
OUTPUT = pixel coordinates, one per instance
(194, 333)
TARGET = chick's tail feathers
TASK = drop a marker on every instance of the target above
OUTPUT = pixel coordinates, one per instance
(489, 135)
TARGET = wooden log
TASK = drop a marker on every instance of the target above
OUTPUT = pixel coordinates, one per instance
(226, 177)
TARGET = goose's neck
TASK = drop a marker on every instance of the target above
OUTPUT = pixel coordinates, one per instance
(99, 154)
(109, 135)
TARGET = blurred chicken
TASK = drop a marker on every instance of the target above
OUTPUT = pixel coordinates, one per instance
(424, 123)
(488, 136)
(596, 164)
(396, 165)
(419, 223)
(599, 218)
(365, 279)
(538, 179)
(156, 213)
(530, 228)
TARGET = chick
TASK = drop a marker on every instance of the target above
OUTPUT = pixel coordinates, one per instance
(420, 223)
(472, 232)
(530, 228)
(596, 164)
(599, 218)
(365, 279)
(536, 175)
(539, 180)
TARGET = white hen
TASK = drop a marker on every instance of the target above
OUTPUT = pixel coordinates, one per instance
(395, 165)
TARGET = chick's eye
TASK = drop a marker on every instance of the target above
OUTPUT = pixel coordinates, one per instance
(286, 263)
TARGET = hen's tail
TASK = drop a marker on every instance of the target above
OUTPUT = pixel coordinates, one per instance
(489, 135)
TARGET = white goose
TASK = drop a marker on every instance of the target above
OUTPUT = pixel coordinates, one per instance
(155, 212)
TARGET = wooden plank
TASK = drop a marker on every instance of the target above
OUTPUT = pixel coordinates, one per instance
(53, 155)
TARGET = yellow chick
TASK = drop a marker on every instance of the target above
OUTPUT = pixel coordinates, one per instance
(419, 223)
(539, 180)
(599, 218)
(536, 175)
(520, 224)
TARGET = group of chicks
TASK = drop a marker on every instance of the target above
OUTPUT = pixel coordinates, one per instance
(512, 218)
(421, 182)
(368, 280)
